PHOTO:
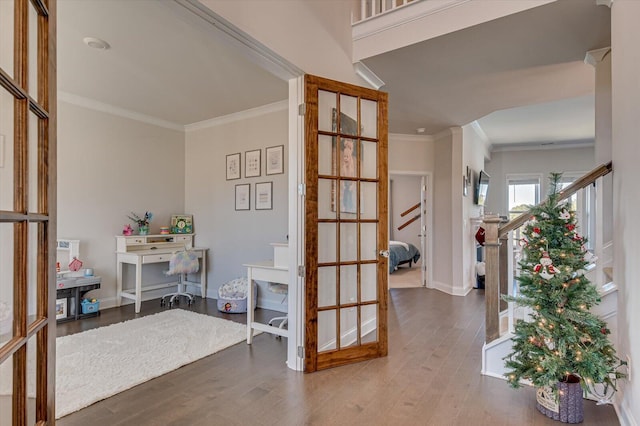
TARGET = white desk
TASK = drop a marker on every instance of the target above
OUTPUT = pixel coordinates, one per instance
(263, 271)
(137, 251)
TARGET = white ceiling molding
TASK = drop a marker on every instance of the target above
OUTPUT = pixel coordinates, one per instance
(607, 3)
(480, 131)
(367, 75)
(256, 51)
(402, 137)
(593, 57)
(536, 146)
(237, 116)
(120, 112)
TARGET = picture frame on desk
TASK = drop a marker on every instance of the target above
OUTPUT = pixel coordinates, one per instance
(61, 308)
(182, 224)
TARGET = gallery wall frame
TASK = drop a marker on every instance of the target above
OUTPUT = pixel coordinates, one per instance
(264, 196)
(243, 197)
(233, 166)
(252, 166)
(274, 159)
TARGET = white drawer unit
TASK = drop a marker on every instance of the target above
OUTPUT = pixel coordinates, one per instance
(138, 250)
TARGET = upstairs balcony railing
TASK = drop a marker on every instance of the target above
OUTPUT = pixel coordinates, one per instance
(371, 8)
(500, 261)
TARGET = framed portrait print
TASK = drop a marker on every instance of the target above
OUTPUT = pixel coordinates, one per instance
(275, 160)
(264, 196)
(233, 166)
(243, 200)
(61, 308)
(252, 163)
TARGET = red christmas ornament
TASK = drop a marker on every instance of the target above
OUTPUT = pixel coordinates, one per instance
(571, 226)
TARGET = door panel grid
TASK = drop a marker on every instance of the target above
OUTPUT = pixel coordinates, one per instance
(27, 209)
(345, 223)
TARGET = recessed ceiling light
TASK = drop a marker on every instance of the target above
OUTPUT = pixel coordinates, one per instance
(420, 130)
(96, 43)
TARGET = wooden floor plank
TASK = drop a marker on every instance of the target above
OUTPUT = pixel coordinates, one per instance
(431, 377)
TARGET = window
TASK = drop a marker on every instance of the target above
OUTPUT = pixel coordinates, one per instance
(523, 192)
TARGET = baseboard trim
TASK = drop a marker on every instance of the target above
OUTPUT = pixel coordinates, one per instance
(624, 414)
(447, 288)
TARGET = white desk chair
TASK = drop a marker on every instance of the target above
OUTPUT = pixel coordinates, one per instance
(181, 263)
(279, 289)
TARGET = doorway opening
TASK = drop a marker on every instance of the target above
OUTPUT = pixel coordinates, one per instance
(409, 226)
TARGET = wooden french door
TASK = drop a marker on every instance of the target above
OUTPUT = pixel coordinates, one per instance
(27, 211)
(345, 223)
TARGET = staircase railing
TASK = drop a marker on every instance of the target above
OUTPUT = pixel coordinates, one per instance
(498, 253)
(372, 8)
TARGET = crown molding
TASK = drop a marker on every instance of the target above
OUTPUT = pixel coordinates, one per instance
(238, 116)
(607, 3)
(114, 110)
(256, 51)
(595, 56)
(367, 75)
(537, 146)
(403, 137)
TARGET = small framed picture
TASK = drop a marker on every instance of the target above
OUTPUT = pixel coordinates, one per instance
(233, 166)
(252, 163)
(275, 160)
(264, 196)
(465, 185)
(181, 224)
(61, 308)
(243, 198)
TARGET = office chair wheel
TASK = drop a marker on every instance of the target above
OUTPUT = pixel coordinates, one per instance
(170, 305)
(163, 302)
(189, 302)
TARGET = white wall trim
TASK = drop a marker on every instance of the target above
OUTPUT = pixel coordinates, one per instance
(120, 112)
(367, 75)
(449, 289)
(238, 116)
(625, 416)
(537, 146)
(256, 51)
(403, 137)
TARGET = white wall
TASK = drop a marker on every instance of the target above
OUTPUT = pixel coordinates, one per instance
(313, 35)
(625, 34)
(542, 161)
(236, 237)
(473, 157)
(442, 213)
(109, 166)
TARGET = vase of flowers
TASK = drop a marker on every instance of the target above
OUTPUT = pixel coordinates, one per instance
(142, 222)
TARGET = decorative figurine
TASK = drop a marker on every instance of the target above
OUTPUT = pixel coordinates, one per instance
(127, 230)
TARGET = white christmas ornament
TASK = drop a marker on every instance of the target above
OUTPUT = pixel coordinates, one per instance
(565, 215)
(545, 268)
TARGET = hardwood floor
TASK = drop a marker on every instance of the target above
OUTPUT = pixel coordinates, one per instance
(431, 377)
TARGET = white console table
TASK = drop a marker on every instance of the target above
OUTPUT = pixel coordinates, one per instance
(275, 271)
(139, 250)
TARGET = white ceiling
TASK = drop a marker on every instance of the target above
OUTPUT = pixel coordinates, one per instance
(523, 73)
(163, 62)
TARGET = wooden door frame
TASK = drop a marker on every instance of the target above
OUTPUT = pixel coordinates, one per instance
(42, 323)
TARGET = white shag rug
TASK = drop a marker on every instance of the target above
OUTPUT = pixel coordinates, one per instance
(96, 364)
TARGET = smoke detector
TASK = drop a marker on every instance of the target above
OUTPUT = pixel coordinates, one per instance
(96, 43)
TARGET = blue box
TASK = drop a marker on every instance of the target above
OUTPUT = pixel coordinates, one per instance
(90, 307)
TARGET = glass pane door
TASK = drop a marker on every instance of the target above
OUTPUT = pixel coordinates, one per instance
(346, 220)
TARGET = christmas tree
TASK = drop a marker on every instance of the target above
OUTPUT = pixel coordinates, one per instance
(562, 337)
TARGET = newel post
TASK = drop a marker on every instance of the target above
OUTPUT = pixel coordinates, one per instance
(492, 277)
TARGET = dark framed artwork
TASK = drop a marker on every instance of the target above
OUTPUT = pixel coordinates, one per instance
(274, 160)
(243, 196)
(252, 163)
(264, 196)
(233, 166)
